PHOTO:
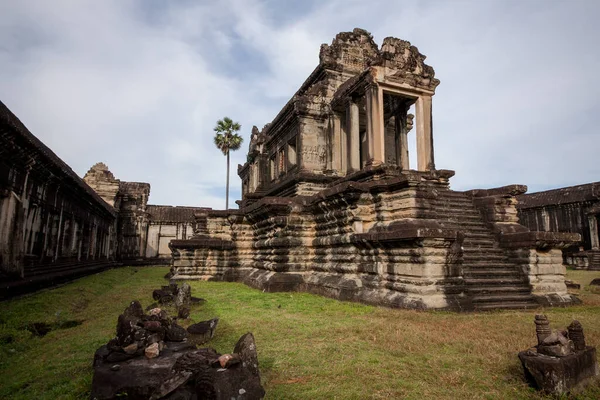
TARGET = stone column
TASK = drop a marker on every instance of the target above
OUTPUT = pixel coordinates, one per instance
(336, 143)
(594, 232)
(353, 129)
(402, 143)
(425, 160)
(375, 128)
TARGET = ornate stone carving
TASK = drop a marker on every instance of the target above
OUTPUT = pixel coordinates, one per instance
(400, 55)
(576, 335)
(349, 51)
(542, 327)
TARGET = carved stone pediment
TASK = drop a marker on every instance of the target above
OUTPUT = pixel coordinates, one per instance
(350, 51)
(408, 63)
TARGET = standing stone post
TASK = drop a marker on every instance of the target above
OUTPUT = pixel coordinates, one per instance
(336, 143)
(594, 232)
(353, 128)
(375, 128)
(424, 134)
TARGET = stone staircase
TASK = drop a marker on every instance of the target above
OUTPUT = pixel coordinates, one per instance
(491, 280)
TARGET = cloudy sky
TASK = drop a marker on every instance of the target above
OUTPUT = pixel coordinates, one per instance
(140, 84)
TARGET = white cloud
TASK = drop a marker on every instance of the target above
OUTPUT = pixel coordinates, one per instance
(140, 87)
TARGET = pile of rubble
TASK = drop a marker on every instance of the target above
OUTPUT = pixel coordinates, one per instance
(153, 357)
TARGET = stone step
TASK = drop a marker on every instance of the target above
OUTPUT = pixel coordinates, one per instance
(480, 234)
(511, 305)
(491, 281)
(503, 298)
(479, 256)
(501, 271)
(458, 211)
(499, 290)
(456, 204)
(479, 240)
(479, 225)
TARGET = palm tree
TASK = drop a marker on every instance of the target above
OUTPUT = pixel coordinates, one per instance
(227, 140)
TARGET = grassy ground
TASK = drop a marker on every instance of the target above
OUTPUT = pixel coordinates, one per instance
(309, 347)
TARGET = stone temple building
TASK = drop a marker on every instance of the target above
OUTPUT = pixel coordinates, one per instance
(571, 209)
(55, 225)
(331, 205)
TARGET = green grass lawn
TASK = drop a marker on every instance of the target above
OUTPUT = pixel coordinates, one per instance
(309, 347)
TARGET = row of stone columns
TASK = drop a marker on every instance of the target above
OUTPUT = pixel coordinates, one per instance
(376, 134)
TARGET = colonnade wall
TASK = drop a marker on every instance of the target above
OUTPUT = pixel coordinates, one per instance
(49, 219)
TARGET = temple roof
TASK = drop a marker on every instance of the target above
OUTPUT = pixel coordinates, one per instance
(172, 213)
(566, 195)
(40, 156)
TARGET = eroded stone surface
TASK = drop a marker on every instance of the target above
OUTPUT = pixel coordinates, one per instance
(561, 362)
(330, 204)
(180, 372)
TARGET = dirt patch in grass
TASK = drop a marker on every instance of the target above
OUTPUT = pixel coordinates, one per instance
(41, 329)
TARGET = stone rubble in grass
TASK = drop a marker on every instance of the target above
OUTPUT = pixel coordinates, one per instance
(203, 331)
(561, 362)
(152, 358)
(572, 284)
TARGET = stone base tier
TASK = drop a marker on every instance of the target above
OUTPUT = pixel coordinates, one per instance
(389, 237)
(560, 375)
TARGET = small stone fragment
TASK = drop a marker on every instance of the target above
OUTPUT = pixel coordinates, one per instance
(183, 312)
(175, 333)
(155, 311)
(130, 349)
(183, 295)
(152, 351)
(134, 310)
(152, 326)
(572, 284)
(204, 327)
(224, 359)
(115, 367)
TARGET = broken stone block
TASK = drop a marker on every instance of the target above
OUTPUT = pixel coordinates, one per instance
(183, 312)
(181, 371)
(559, 375)
(175, 333)
(561, 362)
(183, 296)
(205, 330)
(572, 284)
(152, 350)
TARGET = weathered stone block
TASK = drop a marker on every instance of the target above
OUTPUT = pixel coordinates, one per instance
(560, 375)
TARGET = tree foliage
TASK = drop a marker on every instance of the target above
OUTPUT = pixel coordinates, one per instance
(227, 139)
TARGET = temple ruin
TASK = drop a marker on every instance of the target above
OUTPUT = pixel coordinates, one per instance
(571, 209)
(331, 205)
(55, 225)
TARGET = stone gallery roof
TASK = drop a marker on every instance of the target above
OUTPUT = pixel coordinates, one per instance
(567, 195)
(28, 147)
(172, 214)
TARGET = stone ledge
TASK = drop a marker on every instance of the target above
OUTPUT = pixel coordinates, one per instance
(407, 233)
(539, 240)
(509, 190)
(202, 243)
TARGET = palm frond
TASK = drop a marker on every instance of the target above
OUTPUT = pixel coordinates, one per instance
(226, 138)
